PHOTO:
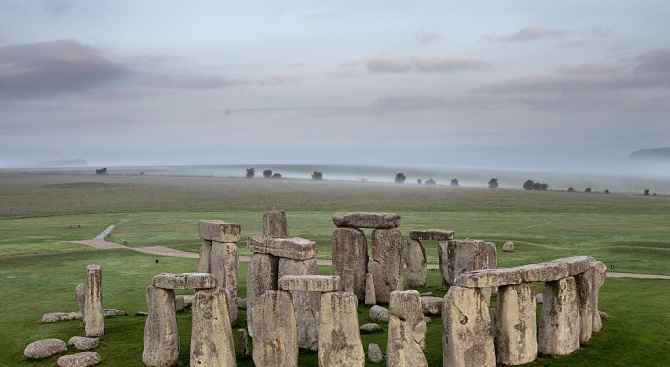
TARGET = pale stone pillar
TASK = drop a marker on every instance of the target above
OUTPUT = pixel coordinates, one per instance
(516, 326)
(161, 337)
(464, 256)
(261, 277)
(224, 264)
(415, 258)
(406, 332)
(600, 271)
(307, 305)
(370, 298)
(559, 321)
(584, 283)
(466, 329)
(204, 257)
(80, 292)
(94, 322)
(211, 337)
(275, 338)
(350, 251)
(339, 337)
(274, 224)
(443, 257)
(243, 342)
(387, 263)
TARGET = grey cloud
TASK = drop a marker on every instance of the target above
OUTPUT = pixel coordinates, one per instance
(51, 68)
(387, 65)
(436, 65)
(151, 59)
(655, 61)
(283, 79)
(585, 69)
(528, 34)
(199, 82)
(428, 37)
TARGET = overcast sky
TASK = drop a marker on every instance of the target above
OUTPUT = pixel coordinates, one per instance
(519, 84)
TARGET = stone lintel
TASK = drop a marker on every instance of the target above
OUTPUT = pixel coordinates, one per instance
(489, 278)
(291, 248)
(185, 281)
(576, 264)
(219, 231)
(367, 220)
(543, 272)
(310, 283)
(432, 235)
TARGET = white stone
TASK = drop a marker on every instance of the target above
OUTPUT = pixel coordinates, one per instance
(94, 318)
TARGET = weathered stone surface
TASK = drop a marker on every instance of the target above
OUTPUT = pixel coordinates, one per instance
(211, 336)
(261, 277)
(372, 327)
(432, 306)
(492, 253)
(80, 292)
(539, 299)
(241, 303)
(219, 231)
(442, 255)
(367, 220)
(275, 224)
(559, 321)
(44, 348)
(508, 246)
(489, 278)
(307, 305)
(543, 272)
(224, 263)
(83, 359)
(309, 283)
(204, 258)
(575, 264)
(600, 271)
(60, 316)
(432, 235)
(464, 256)
(94, 318)
(161, 337)
(243, 343)
(184, 281)
(350, 251)
(466, 329)
(584, 283)
(387, 267)
(291, 248)
(347, 284)
(339, 337)
(407, 331)
(379, 313)
(275, 341)
(515, 328)
(375, 353)
(415, 259)
(178, 303)
(83, 343)
(370, 298)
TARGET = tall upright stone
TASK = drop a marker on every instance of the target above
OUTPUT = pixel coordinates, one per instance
(559, 321)
(443, 257)
(387, 262)
(211, 337)
(584, 283)
(80, 292)
(406, 331)
(415, 258)
(161, 337)
(599, 273)
(307, 305)
(370, 297)
(204, 258)
(261, 277)
(464, 256)
(466, 329)
(515, 330)
(275, 224)
(339, 337)
(350, 251)
(275, 340)
(94, 322)
(224, 265)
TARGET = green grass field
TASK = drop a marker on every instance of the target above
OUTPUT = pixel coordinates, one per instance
(40, 267)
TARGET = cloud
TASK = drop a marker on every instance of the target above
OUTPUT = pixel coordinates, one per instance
(51, 68)
(387, 65)
(655, 61)
(528, 34)
(283, 79)
(428, 37)
(585, 69)
(438, 65)
(198, 82)
(323, 16)
(149, 59)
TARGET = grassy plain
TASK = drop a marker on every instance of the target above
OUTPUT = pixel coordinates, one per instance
(40, 268)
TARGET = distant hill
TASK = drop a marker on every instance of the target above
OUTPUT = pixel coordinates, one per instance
(65, 163)
(651, 154)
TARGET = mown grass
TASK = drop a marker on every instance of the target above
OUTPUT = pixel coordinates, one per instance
(40, 268)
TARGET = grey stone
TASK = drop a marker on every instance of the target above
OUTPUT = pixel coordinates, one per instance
(204, 259)
(492, 253)
(80, 292)
(219, 231)
(432, 235)
(559, 320)
(291, 248)
(339, 337)
(83, 359)
(489, 278)
(603, 315)
(600, 271)
(107, 312)
(407, 331)
(350, 251)
(60, 316)
(83, 343)
(44, 348)
(375, 353)
(370, 298)
(415, 259)
(161, 337)
(387, 267)
(310, 283)
(224, 263)
(575, 264)
(367, 220)
(211, 336)
(188, 300)
(306, 304)
(179, 303)
(274, 224)
(275, 341)
(539, 298)
(443, 257)
(543, 272)
(508, 246)
(261, 277)
(464, 256)
(432, 306)
(372, 327)
(185, 281)
(515, 328)
(586, 298)
(243, 343)
(241, 303)
(94, 318)
(428, 320)
(379, 313)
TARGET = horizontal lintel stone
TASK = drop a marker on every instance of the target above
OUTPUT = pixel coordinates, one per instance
(291, 248)
(367, 220)
(310, 283)
(576, 264)
(489, 278)
(432, 235)
(185, 281)
(219, 231)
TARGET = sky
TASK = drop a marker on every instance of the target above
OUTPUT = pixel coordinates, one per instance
(523, 84)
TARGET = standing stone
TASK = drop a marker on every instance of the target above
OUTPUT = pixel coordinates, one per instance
(406, 332)
(415, 258)
(224, 265)
(584, 283)
(94, 321)
(442, 255)
(339, 337)
(204, 258)
(559, 320)
(274, 224)
(161, 337)
(492, 254)
(600, 271)
(370, 298)
(81, 297)
(515, 328)
(261, 277)
(211, 337)
(388, 262)
(307, 305)
(243, 342)
(466, 329)
(275, 341)
(464, 256)
(350, 251)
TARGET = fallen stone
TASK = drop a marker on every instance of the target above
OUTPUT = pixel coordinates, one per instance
(515, 327)
(407, 331)
(211, 335)
(339, 336)
(432, 306)
(108, 312)
(426, 294)
(559, 329)
(291, 248)
(219, 231)
(432, 235)
(83, 359)
(309, 283)
(415, 260)
(185, 281)
(141, 313)
(371, 328)
(350, 251)
(275, 224)
(375, 353)
(603, 315)
(60, 316)
(379, 313)
(428, 320)
(44, 348)
(508, 246)
(367, 220)
(275, 341)
(83, 343)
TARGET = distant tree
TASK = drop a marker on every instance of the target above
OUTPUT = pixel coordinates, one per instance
(607, 191)
(540, 186)
(251, 172)
(103, 171)
(430, 182)
(454, 182)
(493, 183)
(267, 173)
(528, 185)
(400, 178)
(646, 192)
(570, 189)
(418, 181)
(588, 189)
(318, 176)
(276, 175)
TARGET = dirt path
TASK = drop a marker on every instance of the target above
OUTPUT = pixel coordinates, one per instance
(101, 244)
